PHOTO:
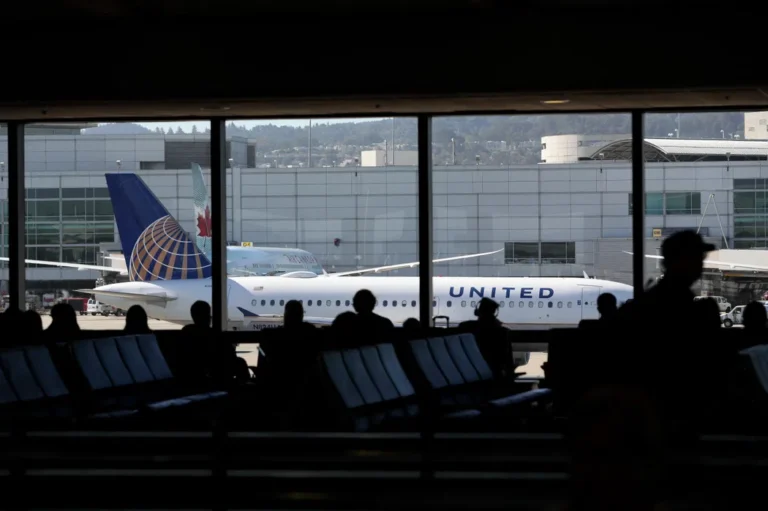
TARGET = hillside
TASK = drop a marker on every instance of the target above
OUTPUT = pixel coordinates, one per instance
(335, 143)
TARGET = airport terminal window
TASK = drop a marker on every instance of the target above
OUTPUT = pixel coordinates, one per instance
(521, 253)
(73, 193)
(683, 203)
(750, 184)
(82, 255)
(558, 252)
(43, 234)
(750, 208)
(42, 193)
(43, 209)
(654, 203)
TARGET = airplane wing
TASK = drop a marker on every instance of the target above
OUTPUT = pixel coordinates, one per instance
(132, 296)
(70, 265)
(726, 264)
(409, 265)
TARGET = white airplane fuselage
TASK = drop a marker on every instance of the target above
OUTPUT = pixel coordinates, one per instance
(523, 301)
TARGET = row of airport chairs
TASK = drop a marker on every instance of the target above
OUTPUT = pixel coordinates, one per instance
(125, 378)
(450, 383)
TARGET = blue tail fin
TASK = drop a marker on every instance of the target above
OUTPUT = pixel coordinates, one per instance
(154, 244)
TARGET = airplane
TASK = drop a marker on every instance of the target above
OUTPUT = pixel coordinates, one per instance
(523, 302)
(168, 272)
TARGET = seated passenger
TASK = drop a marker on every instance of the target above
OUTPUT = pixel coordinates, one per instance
(136, 321)
(606, 307)
(706, 315)
(63, 327)
(412, 324)
(205, 355)
(32, 322)
(364, 302)
(293, 319)
(492, 338)
(755, 318)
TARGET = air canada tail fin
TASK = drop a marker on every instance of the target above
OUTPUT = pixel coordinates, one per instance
(202, 210)
(154, 244)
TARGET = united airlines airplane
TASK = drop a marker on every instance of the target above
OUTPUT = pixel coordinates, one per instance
(168, 272)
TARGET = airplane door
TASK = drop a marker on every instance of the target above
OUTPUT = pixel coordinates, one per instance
(589, 296)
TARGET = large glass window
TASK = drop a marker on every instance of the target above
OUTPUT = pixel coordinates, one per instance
(540, 195)
(336, 196)
(70, 214)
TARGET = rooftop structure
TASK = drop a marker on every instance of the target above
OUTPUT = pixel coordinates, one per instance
(682, 150)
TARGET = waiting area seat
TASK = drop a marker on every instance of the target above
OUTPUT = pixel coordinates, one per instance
(454, 369)
(375, 392)
(132, 371)
(32, 391)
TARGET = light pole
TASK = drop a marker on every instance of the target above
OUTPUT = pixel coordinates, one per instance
(393, 141)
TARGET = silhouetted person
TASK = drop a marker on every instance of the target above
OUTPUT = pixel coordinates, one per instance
(681, 380)
(707, 315)
(492, 338)
(201, 318)
(204, 354)
(755, 318)
(63, 325)
(33, 323)
(669, 303)
(293, 318)
(136, 321)
(606, 306)
(369, 325)
(411, 324)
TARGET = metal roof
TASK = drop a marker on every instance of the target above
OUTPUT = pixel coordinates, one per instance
(676, 149)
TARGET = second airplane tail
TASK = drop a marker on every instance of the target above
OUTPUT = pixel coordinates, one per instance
(154, 244)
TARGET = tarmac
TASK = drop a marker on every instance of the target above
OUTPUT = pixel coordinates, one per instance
(249, 352)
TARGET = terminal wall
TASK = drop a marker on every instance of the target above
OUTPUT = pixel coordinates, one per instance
(372, 211)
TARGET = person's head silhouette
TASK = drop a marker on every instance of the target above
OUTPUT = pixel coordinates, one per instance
(63, 317)
(684, 254)
(707, 314)
(364, 302)
(32, 321)
(486, 309)
(294, 313)
(755, 316)
(411, 324)
(201, 313)
(136, 319)
(606, 305)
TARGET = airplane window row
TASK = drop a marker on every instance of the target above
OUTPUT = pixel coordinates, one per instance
(521, 304)
(329, 303)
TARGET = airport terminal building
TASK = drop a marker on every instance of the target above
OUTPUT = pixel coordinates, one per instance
(549, 219)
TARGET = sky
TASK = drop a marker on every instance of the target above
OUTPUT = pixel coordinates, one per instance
(187, 126)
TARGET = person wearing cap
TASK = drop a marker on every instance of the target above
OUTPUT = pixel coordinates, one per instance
(666, 313)
(684, 253)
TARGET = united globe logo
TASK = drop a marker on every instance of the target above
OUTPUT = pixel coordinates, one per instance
(164, 251)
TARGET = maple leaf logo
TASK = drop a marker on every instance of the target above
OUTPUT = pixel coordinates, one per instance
(204, 223)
